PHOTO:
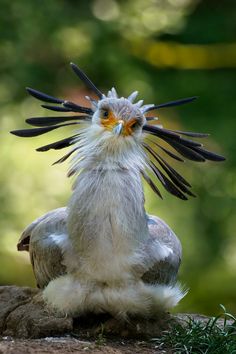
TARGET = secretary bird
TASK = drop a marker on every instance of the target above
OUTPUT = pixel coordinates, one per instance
(103, 253)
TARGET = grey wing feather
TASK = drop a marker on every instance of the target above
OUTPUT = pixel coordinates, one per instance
(43, 239)
(165, 271)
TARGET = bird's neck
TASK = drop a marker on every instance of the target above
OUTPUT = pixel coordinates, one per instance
(107, 212)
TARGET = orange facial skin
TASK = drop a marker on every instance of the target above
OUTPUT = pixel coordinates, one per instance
(110, 121)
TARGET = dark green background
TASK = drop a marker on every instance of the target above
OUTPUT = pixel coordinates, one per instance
(166, 50)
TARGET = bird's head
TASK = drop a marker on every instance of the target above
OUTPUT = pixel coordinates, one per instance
(116, 127)
(113, 139)
(119, 116)
(114, 136)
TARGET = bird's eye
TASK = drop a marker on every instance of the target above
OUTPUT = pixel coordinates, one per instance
(105, 114)
(135, 125)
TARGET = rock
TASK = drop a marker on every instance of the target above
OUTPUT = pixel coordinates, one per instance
(22, 317)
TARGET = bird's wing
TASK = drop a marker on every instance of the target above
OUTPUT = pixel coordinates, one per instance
(164, 271)
(24, 240)
(44, 239)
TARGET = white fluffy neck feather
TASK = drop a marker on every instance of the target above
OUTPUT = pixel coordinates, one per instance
(100, 149)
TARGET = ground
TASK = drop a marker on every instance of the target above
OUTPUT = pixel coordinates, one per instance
(67, 345)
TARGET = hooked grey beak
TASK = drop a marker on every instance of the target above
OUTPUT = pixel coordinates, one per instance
(117, 130)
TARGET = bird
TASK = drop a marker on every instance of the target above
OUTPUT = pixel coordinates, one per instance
(103, 253)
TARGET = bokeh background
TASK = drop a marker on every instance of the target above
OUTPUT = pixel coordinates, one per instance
(165, 49)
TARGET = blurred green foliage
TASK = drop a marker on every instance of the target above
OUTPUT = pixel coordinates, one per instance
(166, 49)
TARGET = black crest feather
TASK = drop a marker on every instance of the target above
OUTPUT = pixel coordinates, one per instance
(29, 133)
(86, 80)
(60, 144)
(43, 96)
(172, 103)
(47, 121)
